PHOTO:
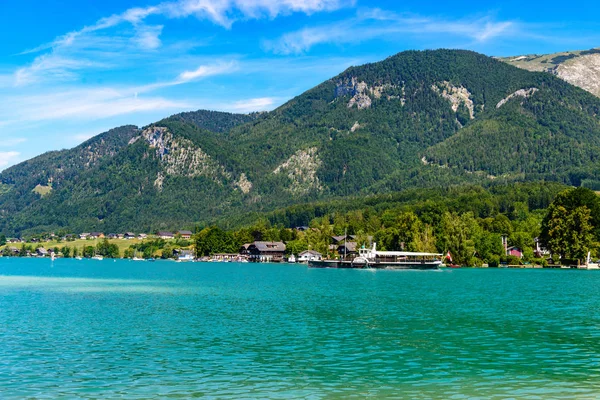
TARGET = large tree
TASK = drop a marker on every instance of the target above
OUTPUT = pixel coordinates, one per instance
(571, 223)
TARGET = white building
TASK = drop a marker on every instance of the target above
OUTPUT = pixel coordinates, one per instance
(309, 255)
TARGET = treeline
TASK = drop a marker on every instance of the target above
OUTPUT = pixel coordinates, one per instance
(103, 248)
(468, 223)
(158, 248)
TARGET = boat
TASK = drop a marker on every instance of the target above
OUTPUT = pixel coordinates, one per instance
(79, 258)
(185, 257)
(588, 263)
(372, 258)
(292, 259)
(137, 259)
(99, 258)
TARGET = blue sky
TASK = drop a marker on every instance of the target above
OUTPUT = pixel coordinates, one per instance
(71, 69)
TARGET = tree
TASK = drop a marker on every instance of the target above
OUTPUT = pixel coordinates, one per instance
(89, 251)
(66, 252)
(425, 240)
(2, 240)
(215, 240)
(570, 199)
(458, 234)
(568, 233)
(107, 249)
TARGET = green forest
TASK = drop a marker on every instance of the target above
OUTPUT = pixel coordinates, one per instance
(434, 121)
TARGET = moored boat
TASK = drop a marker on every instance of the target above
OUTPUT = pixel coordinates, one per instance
(372, 258)
(589, 264)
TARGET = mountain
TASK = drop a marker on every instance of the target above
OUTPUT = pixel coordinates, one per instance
(415, 120)
(580, 68)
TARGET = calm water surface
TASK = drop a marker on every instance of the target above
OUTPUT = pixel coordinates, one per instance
(104, 329)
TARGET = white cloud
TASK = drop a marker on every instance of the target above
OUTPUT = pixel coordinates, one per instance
(83, 104)
(66, 56)
(8, 158)
(208, 70)
(148, 37)
(378, 23)
(52, 67)
(250, 105)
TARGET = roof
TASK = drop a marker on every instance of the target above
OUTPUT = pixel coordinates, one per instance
(185, 232)
(96, 234)
(338, 239)
(164, 233)
(311, 252)
(407, 254)
(129, 233)
(350, 246)
(269, 246)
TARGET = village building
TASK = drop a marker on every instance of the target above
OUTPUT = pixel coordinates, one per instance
(514, 251)
(41, 252)
(141, 236)
(185, 234)
(540, 251)
(96, 235)
(244, 250)
(309, 255)
(112, 236)
(348, 250)
(266, 251)
(165, 235)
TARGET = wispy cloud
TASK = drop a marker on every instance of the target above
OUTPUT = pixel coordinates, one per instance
(250, 105)
(8, 158)
(9, 142)
(376, 23)
(205, 71)
(66, 55)
(83, 104)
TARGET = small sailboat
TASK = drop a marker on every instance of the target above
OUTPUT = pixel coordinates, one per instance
(588, 263)
(292, 259)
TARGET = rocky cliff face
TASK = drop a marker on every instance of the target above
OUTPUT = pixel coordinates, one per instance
(363, 94)
(579, 68)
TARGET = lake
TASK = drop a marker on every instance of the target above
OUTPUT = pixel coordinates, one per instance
(106, 329)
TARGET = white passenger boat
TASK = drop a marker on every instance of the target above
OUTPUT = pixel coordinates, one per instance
(372, 258)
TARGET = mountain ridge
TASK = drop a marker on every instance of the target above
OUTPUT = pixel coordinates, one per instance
(416, 119)
(580, 68)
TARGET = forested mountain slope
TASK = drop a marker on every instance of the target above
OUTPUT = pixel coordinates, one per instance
(417, 119)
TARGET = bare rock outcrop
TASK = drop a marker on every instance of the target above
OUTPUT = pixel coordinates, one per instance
(301, 168)
(525, 93)
(456, 95)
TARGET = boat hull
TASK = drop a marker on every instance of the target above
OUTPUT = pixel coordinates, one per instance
(375, 265)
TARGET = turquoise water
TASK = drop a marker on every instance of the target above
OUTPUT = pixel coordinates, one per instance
(104, 329)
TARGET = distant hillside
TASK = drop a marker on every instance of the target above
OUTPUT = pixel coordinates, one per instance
(580, 68)
(415, 120)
